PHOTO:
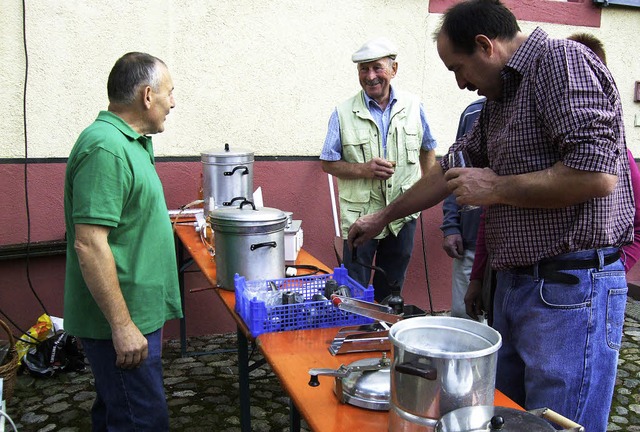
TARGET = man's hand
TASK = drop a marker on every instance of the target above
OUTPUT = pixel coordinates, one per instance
(475, 186)
(131, 346)
(380, 169)
(452, 245)
(473, 299)
(364, 229)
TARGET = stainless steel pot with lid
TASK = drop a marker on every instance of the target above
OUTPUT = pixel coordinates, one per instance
(491, 418)
(440, 364)
(248, 241)
(227, 177)
(365, 383)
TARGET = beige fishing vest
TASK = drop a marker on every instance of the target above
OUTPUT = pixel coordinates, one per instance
(361, 142)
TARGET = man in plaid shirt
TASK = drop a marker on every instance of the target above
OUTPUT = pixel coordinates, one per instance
(554, 178)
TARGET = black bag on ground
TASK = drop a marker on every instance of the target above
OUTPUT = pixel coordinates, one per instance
(59, 353)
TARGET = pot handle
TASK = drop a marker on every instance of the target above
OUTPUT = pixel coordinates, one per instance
(560, 420)
(234, 199)
(265, 244)
(409, 368)
(246, 201)
(239, 167)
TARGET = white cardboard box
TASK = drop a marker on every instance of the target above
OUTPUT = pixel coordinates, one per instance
(293, 238)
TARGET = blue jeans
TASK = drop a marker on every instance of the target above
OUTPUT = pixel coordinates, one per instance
(560, 341)
(127, 399)
(392, 255)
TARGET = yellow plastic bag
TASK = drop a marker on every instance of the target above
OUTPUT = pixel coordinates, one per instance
(40, 331)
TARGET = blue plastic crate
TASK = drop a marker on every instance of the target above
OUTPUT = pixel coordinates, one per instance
(310, 314)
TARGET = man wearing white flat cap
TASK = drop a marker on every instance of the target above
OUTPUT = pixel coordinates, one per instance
(378, 145)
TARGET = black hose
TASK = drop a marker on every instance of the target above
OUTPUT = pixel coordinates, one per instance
(26, 157)
(393, 284)
(426, 270)
(314, 269)
(23, 332)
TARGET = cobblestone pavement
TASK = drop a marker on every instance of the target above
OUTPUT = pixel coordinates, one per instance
(202, 391)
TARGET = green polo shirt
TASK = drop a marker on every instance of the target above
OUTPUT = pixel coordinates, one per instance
(111, 180)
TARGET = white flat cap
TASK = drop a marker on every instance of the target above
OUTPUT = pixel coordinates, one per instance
(375, 49)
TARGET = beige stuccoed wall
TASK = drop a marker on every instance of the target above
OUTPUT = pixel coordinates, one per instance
(258, 75)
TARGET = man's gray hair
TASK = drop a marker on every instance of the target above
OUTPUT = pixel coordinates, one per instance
(390, 62)
(131, 71)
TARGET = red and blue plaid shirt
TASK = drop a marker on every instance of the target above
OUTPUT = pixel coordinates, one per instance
(560, 103)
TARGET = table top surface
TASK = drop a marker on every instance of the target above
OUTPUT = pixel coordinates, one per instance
(292, 353)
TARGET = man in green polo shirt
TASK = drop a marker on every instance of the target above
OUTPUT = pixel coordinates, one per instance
(121, 275)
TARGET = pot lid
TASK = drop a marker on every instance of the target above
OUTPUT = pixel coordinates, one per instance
(491, 418)
(247, 213)
(227, 155)
(369, 388)
(445, 337)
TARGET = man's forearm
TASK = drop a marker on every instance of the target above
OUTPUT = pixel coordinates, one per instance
(375, 169)
(427, 192)
(427, 160)
(558, 186)
(343, 170)
(424, 194)
(99, 272)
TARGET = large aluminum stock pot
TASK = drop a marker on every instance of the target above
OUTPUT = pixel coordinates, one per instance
(439, 364)
(227, 177)
(248, 241)
(484, 418)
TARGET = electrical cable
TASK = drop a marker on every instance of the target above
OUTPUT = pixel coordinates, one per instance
(5, 415)
(314, 269)
(23, 332)
(205, 242)
(26, 154)
(426, 270)
(183, 208)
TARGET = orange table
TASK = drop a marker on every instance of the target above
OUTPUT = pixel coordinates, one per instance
(189, 240)
(291, 354)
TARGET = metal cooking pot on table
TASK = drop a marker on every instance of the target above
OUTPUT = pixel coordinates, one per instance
(227, 177)
(439, 364)
(484, 418)
(248, 241)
